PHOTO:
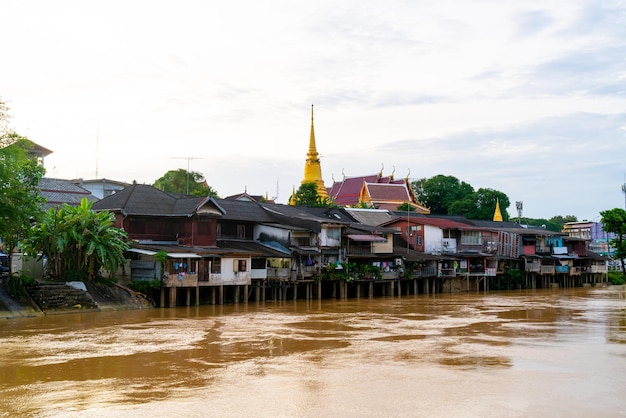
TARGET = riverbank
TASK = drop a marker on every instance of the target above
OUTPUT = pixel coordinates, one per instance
(105, 297)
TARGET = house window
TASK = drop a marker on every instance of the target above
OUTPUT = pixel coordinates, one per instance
(241, 231)
(418, 240)
(412, 230)
(219, 230)
(216, 266)
(303, 242)
(471, 238)
(333, 233)
(240, 265)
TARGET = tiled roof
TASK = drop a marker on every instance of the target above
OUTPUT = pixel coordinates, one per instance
(388, 192)
(241, 210)
(253, 247)
(370, 216)
(140, 199)
(347, 191)
(58, 191)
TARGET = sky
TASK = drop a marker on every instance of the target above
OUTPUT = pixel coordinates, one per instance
(524, 97)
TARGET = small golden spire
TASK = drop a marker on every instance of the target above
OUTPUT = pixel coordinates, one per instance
(292, 199)
(312, 166)
(497, 215)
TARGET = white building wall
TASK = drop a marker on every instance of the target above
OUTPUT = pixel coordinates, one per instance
(231, 275)
(433, 239)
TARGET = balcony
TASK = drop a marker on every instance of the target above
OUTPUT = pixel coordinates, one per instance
(425, 272)
(532, 267)
(359, 250)
(547, 270)
(561, 269)
(181, 280)
(278, 273)
(447, 272)
(598, 269)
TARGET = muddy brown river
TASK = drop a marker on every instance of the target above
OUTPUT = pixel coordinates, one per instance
(546, 353)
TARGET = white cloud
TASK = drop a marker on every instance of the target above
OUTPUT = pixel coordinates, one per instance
(523, 97)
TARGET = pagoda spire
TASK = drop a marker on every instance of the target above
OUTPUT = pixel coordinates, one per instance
(312, 166)
(497, 215)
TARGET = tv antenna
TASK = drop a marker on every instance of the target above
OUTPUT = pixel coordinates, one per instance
(188, 161)
(520, 206)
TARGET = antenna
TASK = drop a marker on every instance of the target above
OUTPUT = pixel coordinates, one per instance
(97, 144)
(276, 197)
(520, 206)
(188, 160)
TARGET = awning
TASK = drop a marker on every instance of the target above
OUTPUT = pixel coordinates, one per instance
(304, 251)
(366, 238)
(141, 251)
(183, 255)
(171, 255)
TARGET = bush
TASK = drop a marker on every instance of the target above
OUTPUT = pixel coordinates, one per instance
(616, 278)
(16, 284)
(144, 286)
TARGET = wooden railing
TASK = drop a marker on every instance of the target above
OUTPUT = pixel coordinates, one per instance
(598, 269)
(181, 280)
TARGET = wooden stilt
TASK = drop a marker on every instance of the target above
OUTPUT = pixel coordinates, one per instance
(172, 297)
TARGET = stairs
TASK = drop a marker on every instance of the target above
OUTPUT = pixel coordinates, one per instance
(60, 297)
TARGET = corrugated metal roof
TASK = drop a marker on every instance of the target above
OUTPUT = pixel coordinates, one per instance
(366, 238)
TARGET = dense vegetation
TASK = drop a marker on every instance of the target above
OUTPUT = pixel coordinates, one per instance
(184, 182)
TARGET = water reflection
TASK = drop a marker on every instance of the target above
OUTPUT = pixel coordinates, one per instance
(510, 354)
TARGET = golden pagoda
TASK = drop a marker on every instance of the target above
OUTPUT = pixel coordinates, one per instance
(312, 167)
(497, 215)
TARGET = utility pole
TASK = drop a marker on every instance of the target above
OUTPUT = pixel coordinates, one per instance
(188, 160)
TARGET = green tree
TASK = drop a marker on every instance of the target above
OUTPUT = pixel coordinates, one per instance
(440, 192)
(614, 220)
(78, 241)
(184, 182)
(406, 207)
(541, 222)
(307, 195)
(559, 221)
(20, 201)
(481, 204)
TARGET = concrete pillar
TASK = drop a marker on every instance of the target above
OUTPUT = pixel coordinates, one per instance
(197, 295)
(172, 297)
(245, 294)
(188, 296)
(371, 290)
(237, 293)
(162, 303)
(221, 294)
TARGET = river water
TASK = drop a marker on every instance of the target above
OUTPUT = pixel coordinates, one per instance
(557, 353)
